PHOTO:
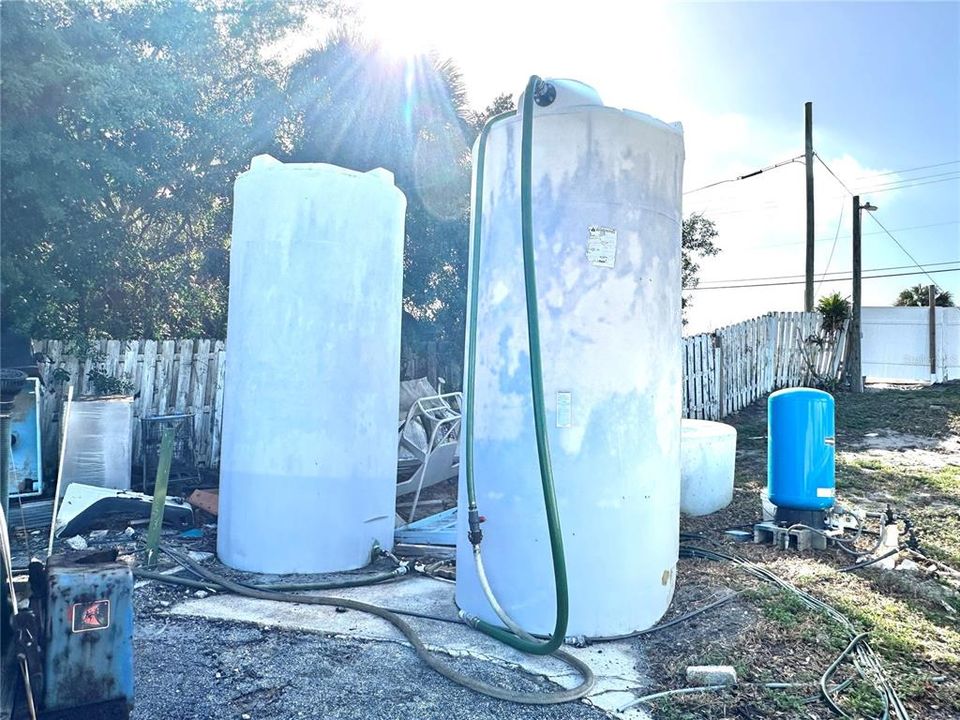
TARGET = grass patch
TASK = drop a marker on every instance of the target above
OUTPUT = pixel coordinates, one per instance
(913, 618)
(929, 412)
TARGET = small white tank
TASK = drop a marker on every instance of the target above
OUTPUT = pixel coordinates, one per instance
(606, 220)
(308, 465)
(708, 454)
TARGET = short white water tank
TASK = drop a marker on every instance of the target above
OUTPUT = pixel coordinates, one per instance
(309, 456)
(708, 454)
(607, 220)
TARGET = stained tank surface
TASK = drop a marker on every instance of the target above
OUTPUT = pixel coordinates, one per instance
(309, 458)
(606, 217)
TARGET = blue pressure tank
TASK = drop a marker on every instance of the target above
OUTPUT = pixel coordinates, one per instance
(800, 449)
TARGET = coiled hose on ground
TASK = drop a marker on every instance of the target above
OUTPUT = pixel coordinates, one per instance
(431, 659)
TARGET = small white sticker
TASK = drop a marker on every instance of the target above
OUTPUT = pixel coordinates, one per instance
(824, 492)
(564, 409)
(602, 246)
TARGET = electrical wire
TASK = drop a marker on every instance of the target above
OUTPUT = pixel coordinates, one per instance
(904, 170)
(864, 658)
(669, 693)
(922, 271)
(832, 248)
(835, 176)
(745, 176)
(881, 189)
(865, 563)
(829, 672)
(882, 226)
(899, 245)
(835, 272)
(950, 175)
(670, 623)
(428, 657)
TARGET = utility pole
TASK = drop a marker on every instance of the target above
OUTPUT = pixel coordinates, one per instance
(932, 301)
(808, 155)
(855, 365)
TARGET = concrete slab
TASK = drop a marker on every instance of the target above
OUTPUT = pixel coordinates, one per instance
(617, 665)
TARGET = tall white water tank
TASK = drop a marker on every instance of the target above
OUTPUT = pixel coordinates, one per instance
(607, 222)
(308, 462)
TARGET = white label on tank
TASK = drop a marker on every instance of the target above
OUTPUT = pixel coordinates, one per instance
(602, 246)
(824, 492)
(564, 409)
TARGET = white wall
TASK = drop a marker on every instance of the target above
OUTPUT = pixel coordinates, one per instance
(896, 344)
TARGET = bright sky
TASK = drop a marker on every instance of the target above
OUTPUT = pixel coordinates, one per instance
(884, 79)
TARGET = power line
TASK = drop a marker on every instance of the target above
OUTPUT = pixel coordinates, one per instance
(802, 282)
(832, 247)
(870, 191)
(905, 251)
(744, 177)
(817, 155)
(835, 272)
(883, 227)
(904, 170)
(918, 178)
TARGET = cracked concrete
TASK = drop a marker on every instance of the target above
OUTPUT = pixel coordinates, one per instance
(617, 665)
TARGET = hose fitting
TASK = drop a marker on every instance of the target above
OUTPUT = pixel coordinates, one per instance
(475, 534)
(544, 93)
(468, 619)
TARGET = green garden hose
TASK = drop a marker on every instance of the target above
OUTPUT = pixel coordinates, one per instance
(523, 642)
(432, 659)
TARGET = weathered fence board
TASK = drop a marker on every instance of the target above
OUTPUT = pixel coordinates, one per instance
(726, 370)
(723, 372)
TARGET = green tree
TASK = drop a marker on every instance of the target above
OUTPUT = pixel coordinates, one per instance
(698, 235)
(352, 104)
(918, 296)
(835, 310)
(123, 127)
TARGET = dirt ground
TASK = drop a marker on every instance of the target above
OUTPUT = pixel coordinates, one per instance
(895, 446)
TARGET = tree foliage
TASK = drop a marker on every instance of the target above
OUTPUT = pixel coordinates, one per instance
(835, 310)
(351, 104)
(918, 296)
(124, 126)
(698, 235)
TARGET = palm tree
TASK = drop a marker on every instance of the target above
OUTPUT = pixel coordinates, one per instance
(917, 296)
(835, 310)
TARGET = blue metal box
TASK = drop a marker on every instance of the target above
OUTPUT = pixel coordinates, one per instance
(800, 449)
(88, 625)
(26, 467)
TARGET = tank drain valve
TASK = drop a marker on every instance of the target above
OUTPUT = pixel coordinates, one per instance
(474, 534)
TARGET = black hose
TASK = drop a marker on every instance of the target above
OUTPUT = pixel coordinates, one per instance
(429, 658)
(669, 623)
(865, 563)
(828, 673)
(864, 659)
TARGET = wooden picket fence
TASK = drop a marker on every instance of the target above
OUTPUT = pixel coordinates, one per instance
(726, 370)
(168, 376)
(723, 371)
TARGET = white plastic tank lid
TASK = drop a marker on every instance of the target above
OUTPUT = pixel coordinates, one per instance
(266, 162)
